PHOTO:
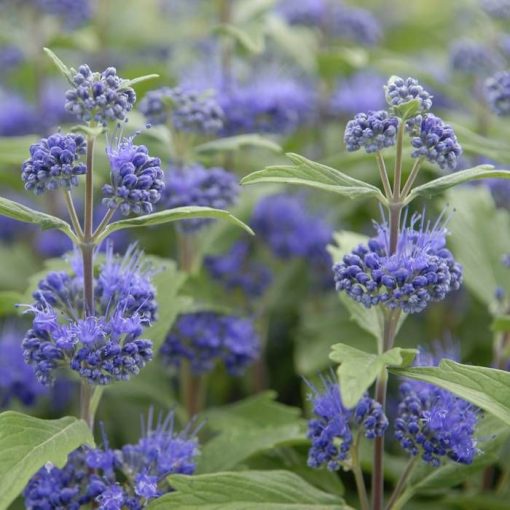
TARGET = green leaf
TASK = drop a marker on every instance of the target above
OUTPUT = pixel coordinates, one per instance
(171, 215)
(168, 281)
(23, 213)
(358, 370)
(28, 443)
(441, 184)
(248, 490)
(484, 387)
(315, 175)
(501, 324)
(8, 301)
(251, 38)
(244, 11)
(407, 110)
(234, 143)
(60, 65)
(140, 79)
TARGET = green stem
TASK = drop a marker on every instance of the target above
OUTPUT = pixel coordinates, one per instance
(402, 482)
(412, 177)
(384, 174)
(86, 412)
(397, 177)
(104, 222)
(358, 474)
(192, 390)
(72, 214)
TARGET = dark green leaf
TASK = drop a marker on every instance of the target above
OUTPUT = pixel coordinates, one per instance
(23, 213)
(358, 370)
(501, 323)
(171, 215)
(8, 302)
(441, 184)
(486, 388)
(315, 175)
(248, 490)
(28, 443)
(234, 143)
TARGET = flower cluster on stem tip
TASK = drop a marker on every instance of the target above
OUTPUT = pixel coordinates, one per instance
(331, 430)
(102, 347)
(195, 185)
(434, 423)
(136, 178)
(420, 271)
(53, 163)
(116, 479)
(205, 338)
(99, 97)
(373, 131)
(188, 110)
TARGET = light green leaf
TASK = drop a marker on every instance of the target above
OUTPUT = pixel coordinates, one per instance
(140, 79)
(358, 370)
(13, 151)
(441, 184)
(501, 323)
(315, 175)
(28, 443)
(234, 143)
(60, 65)
(171, 215)
(23, 213)
(484, 387)
(251, 38)
(248, 490)
(478, 240)
(407, 110)
(8, 301)
(244, 11)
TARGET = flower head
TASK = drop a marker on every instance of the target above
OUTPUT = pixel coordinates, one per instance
(373, 130)
(53, 163)
(205, 338)
(199, 186)
(136, 178)
(420, 271)
(499, 9)
(436, 141)
(188, 110)
(99, 97)
(306, 12)
(497, 93)
(331, 429)
(471, 57)
(354, 24)
(73, 13)
(434, 423)
(399, 91)
(17, 116)
(236, 270)
(102, 347)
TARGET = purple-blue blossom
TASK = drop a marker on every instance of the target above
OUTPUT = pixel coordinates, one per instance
(353, 24)
(305, 12)
(433, 423)
(332, 427)
(498, 9)
(54, 163)
(103, 347)
(374, 131)
(436, 141)
(402, 90)
(497, 93)
(237, 270)
(204, 339)
(195, 185)
(99, 97)
(17, 116)
(136, 178)
(422, 269)
(471, 57)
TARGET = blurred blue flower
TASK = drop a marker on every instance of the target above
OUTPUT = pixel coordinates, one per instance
(497, 93)
(305, 12)
(498, 9)
(17, 116)
(206, 338)
(353, 24)
(471, 57)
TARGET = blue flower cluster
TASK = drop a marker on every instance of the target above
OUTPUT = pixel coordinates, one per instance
(354, 24)
(306, 12)
(499, 9)
(283, 222)
(10, 57)
(17, 116)
(331, 430)
(399, 91)
(17, 380)
(99, 97)
(101, 348)
(360, 92)
(206, 338)
(188, 110)
(116, 479)
(497, 93)
(237, 271)
(500, 191)
(199, 186)
(434, 423)
(436, 141)
(420, 271)
(73, 13)
(136, 178)
(471, 57)
(53, 163)
(373, 130)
